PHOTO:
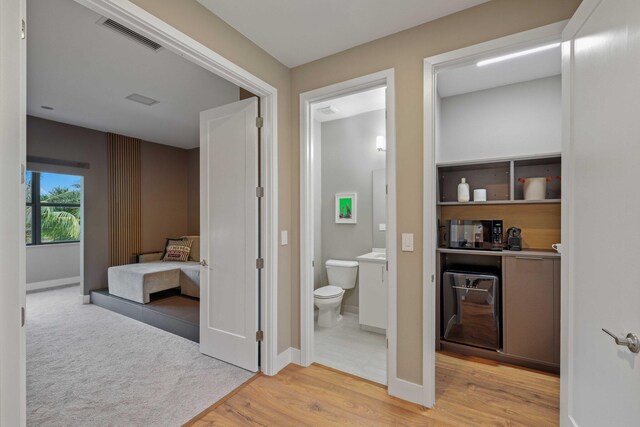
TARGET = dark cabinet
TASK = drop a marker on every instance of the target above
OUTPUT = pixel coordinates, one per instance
(532, 308)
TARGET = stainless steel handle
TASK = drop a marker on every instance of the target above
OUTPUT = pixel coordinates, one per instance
(631, 341)
(470, 289)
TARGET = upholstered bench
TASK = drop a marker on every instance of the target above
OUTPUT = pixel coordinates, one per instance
(136, 282)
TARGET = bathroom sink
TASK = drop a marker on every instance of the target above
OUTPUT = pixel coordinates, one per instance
(373, 257)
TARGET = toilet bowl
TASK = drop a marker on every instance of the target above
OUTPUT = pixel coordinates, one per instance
(342, 275)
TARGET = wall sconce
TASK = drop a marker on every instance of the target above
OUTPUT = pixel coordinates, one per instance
(381, 143)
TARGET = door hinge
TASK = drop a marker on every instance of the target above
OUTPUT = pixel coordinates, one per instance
(386, 189)
(433, 278)
(259, 191)
(23, 316)
(260, 263)
(313, 263)
(23, 171)
(259, 335)
(23, 30)
(387, 342)
(259, 122)
(387, 265)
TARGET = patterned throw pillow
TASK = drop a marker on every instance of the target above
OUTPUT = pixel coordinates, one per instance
(177, 250)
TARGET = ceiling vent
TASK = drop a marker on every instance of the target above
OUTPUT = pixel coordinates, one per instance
(328, 110)
(136, 97)
(127, 32)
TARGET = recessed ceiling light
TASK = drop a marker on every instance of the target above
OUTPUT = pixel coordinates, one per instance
(517, 54)
(136, 97)
(46, 107)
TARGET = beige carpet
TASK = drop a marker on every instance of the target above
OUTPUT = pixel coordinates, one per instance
(87, 366)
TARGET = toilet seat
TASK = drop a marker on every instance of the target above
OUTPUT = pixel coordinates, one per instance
(327, 292)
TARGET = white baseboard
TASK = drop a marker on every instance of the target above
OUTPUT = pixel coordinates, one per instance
(35, 286)
(290, 355)
(85, 299)
(406, 390)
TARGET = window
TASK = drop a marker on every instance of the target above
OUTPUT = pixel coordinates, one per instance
(53, 208)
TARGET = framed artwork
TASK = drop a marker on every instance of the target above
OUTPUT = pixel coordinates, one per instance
(346, 208)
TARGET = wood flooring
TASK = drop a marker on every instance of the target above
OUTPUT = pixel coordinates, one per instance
(470, 392)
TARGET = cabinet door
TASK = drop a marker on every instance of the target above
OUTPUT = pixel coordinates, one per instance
(529, 324)
(373, 295)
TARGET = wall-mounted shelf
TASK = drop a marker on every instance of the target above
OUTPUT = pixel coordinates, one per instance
(500, 179)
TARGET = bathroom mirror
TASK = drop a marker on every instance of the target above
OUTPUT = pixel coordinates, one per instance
(379, 211)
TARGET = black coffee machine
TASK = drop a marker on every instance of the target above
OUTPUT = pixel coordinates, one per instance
(514, 239)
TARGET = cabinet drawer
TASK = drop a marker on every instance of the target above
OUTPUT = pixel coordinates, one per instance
(529, 323)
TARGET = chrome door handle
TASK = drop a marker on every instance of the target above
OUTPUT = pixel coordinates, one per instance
(631, 341)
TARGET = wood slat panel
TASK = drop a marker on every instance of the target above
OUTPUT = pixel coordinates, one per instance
(470, 392)
(540, 224)
(125, 201)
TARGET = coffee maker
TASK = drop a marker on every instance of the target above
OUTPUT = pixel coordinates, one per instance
(514, 239)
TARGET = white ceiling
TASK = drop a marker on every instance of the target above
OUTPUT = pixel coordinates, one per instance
(471, 78)
(351, 105)
(85, 71)
(300, 31)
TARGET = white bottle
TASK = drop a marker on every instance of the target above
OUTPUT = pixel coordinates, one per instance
(463, 191)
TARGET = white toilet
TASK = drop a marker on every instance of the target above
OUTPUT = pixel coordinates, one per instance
(342, 275)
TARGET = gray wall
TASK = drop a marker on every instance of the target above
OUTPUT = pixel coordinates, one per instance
(318, 269)
(193, 196)
(379, 203)
(515, 120)
(60, 262)
(164, 195)
(349, 157)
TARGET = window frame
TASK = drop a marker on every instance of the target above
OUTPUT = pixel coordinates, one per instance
(36, 212)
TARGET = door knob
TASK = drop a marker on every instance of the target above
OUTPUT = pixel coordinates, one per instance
(631, 341)
(204, 263)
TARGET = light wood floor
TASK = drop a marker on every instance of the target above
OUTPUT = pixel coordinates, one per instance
(470, 392)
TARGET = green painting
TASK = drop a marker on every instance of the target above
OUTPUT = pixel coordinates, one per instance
(346, 204)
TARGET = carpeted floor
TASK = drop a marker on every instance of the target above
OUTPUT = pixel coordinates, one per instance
(87, 366)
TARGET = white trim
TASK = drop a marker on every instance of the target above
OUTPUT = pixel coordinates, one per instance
(133, 16)
(85, 299)
(431, 65)
(409, 391)
(382, 78)
(582, 14)
(290, 355)
(46, 284)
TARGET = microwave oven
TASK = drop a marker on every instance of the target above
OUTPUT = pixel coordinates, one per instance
(483, 234)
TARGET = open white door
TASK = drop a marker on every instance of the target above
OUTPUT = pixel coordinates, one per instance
(13, 76)
(229, 233)
(601, 258)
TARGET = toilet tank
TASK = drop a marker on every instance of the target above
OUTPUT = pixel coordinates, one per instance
(342, 273)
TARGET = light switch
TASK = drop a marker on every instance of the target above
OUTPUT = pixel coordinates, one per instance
(382, 227)
(407, 242)
(284, 237)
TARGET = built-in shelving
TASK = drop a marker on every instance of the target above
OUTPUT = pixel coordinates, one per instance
(500, 179)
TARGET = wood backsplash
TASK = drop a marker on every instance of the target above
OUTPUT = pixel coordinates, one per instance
(540, 223)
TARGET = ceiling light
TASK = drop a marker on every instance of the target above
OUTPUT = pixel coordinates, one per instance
(136, 97)
(517, 54)
(381, 143)
(46, 107)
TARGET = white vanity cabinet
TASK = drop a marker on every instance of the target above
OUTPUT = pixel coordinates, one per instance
(373, 292)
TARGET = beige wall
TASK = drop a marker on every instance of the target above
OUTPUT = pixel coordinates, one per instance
(193, 195)
(196, 21)
(164, 194)
(404, 52)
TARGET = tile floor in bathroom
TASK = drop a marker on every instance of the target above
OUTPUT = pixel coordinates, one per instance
(348, 348)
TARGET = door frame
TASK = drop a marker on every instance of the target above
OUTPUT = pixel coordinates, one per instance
(378, 79)
(432, 65)
(581, 16)
(174, 40)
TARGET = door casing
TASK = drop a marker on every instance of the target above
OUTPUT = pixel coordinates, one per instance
(433, 64)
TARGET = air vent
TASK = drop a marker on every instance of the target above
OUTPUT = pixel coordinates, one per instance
(328, 110)
(136, 97)
(127, 32)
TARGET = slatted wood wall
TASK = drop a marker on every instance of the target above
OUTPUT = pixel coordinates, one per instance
(125, 199)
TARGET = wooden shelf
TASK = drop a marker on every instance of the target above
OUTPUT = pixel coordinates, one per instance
(501, 202)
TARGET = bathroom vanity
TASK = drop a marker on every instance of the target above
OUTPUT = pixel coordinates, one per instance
(373, 291)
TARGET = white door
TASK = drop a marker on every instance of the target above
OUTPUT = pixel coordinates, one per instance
(601, 60)
(229, 233)
(12, 251)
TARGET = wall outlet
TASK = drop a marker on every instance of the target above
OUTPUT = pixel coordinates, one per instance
(382, 227)
(284, 237)
(407, 242)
